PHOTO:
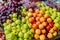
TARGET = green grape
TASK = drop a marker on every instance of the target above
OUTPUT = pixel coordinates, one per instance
(21, 34)
(11, 15)
(13, 24)
(26, 35)
(24, 30)
(7, 32)
(8, 22)
(46, 12)
(17, 21)
(5, 24)
(18, 26)
(57, 25)
(20, 39)
(25, 26)
(56, 20)
(25, 39)
(23, 20)
(14, 19)
(14, 15)
(15, 38)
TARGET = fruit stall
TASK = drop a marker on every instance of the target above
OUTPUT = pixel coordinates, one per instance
(30, 20)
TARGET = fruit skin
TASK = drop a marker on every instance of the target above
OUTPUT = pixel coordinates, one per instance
(41, 26)
(51, 30)
(41, 12)
(34, 26)
(42, 19)
(51, 25)
(39, 15)
(37, 18)
(37, 23)
(37, 31)
(36, 36)
(42, 37)
(44, 24)
(55, 28)
(37, 11)
(46, 16)
(31, 20)
(48, 28)
(32, 30)
(30, 14)
(55, 34)
(49, 20)
(34, 14)
(30, 10)
(49, 35)
(43, 31)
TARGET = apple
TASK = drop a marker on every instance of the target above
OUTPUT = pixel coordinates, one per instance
(49, 20)
(37, 11)
(48, 28)
(30, 14)
(39, 15)
(34, 14)
(42, 19)
(41, 26)
(38, 31)
(37, 18)
(51, 25)
(38, 22)
(46, 16)
(55, 28)
(51, 30)
(44, 24)
(43, 31)
(49, 35)
(31, 19)
(55, 34)
(41, 12)
(30, 10)
(42, 37)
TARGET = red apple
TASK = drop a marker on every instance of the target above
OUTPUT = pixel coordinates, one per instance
(48, 28)
(51, 25)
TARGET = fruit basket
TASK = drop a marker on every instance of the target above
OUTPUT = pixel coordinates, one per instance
(29, 21)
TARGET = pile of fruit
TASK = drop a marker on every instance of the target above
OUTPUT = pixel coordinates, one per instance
(29, 20)
(42, 24)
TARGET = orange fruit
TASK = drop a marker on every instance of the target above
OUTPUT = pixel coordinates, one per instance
(55, 28)
(41, 12)
(38, 31)
(36, 36)
(34, 26)
(31, 19)
(43, 31)
(37, 11)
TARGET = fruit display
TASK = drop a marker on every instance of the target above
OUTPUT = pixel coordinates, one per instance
(42, 24)
(28, 20)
